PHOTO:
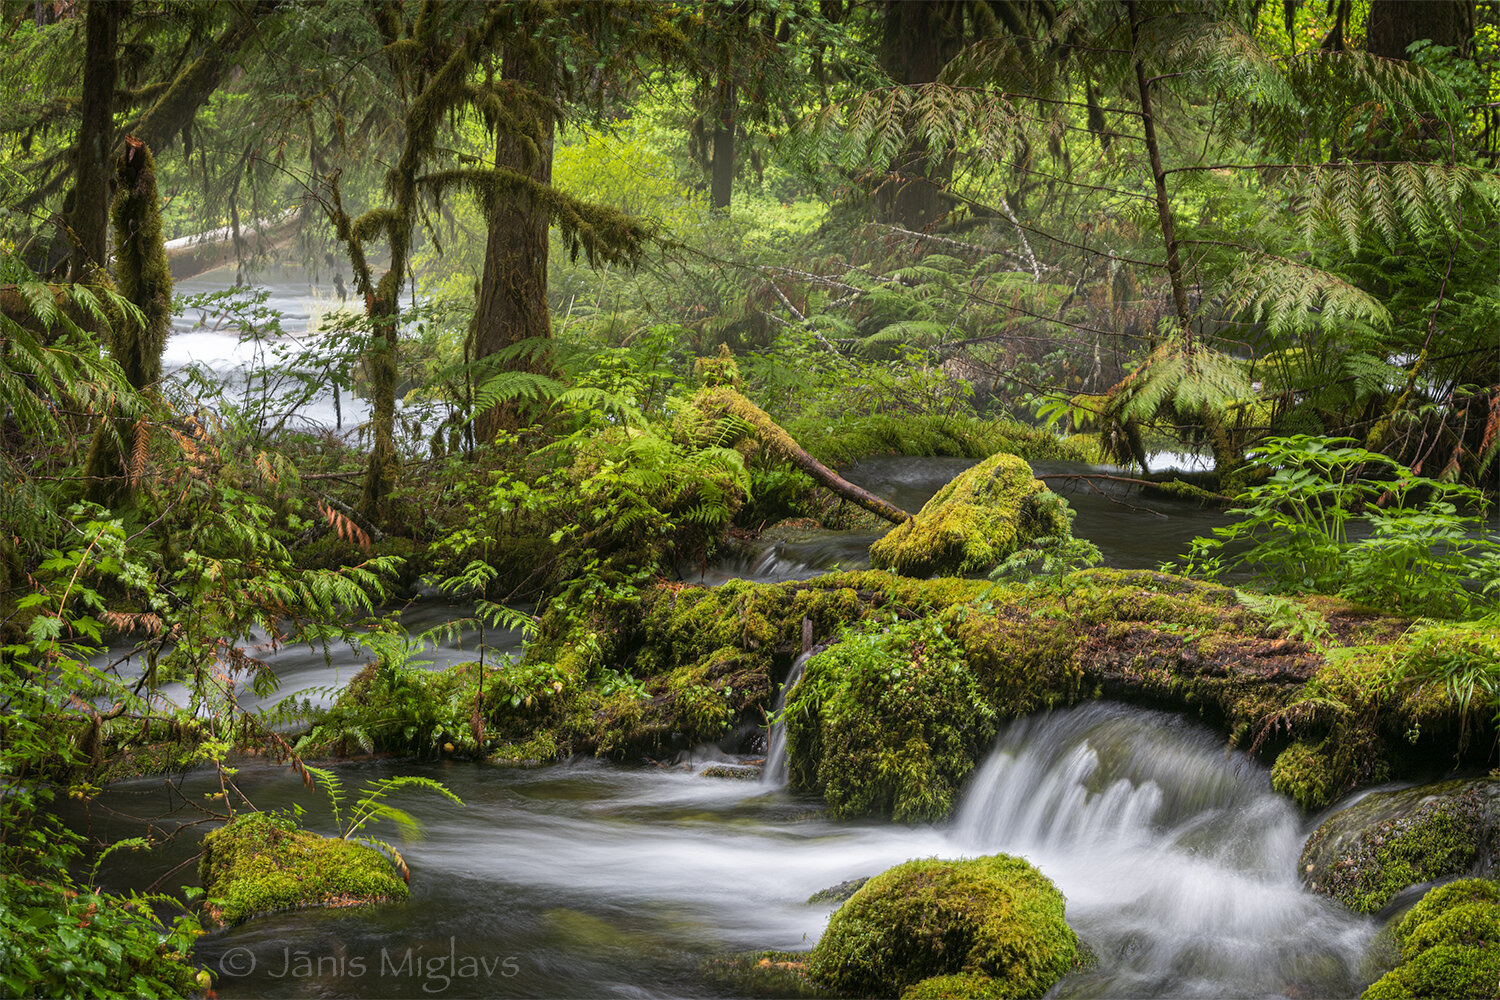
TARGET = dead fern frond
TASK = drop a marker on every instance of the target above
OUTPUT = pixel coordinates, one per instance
(140, 453)
(145, 622)
(345, 527)
(1302, 713)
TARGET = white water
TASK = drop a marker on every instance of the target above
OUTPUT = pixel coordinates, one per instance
(1177, 862)
(774, 773)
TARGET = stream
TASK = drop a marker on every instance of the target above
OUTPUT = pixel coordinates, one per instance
(587, 879)
(590, 880)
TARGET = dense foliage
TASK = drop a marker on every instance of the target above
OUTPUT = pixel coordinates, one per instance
(1267, 233)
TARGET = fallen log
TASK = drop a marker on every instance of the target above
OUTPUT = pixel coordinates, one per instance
(723, 401)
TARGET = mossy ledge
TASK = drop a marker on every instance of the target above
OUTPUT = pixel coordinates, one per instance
(259, 863)
(633, 675)
(1450, 945)
(996, 921)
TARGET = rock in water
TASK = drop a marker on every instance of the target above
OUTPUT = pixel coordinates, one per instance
(1387, 841)
(259, 863)
(975, 522)
(996, 921)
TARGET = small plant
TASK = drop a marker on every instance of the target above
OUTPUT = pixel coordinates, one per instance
(370, 808)
(1292, 618)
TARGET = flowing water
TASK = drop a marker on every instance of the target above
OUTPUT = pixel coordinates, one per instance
(587, 879)
(774, 771)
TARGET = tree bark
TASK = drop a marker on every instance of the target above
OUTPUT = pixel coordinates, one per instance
(918, 39)
(1392, 25)
(96, 136)
(512, 305)
(1163, 204)
(723, 400)
(721, 187)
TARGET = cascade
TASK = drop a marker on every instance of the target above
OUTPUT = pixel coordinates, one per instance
(775, 769)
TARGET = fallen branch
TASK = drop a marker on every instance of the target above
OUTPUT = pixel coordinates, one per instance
(722, 400)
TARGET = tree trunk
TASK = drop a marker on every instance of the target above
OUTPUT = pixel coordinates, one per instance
(1392, 25)
(1163, 204)
(380, 359)
(722, 185)
(918, 39)
(96, 136)
(144, 277)
(512, 305)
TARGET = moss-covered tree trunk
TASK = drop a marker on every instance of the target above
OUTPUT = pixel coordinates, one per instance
(384, 464)
(512, 313)
(144, 277)
(90, 218)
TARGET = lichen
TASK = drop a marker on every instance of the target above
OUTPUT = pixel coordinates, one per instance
(259, 863)
(993, 916)
(1450, 945)
(974, 522)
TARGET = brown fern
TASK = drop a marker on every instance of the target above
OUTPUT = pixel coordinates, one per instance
(344, 527)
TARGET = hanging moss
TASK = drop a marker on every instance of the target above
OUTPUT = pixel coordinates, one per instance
(974, 522)
(995, 917)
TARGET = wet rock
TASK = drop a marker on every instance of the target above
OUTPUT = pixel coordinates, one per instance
(837, 893)
(995, 918)
(1387, 841)
(734, 772)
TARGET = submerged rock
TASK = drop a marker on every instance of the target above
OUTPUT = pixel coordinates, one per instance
(1450, 945)
(259, 863)
(995, 921)
(1387, 841)
(977, 520)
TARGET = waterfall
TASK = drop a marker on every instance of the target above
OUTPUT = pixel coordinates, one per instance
(775, 769)
(1173, 854)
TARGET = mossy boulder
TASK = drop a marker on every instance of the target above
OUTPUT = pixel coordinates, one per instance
(1366, 854)
(260, 862)
(977, 520)
(995, 917)
(887, 722)
(964, 986)
(1450, 945)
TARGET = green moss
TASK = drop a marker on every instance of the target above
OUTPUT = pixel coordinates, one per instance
(995, 916)
(842, 442)
(259, 863)
(1386, 842)
(974, 522)
(888, 722)
(1304, 772)
(540, 749)
(778, 974)
(1450, 945)
(963, 986)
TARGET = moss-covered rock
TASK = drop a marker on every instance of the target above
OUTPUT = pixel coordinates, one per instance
(1366, 854)
(888, 722)
(996, 917)
(778, 974)
(974, 522)
(259, 862)
(1450, 945)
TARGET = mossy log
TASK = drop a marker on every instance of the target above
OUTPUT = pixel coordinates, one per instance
(724, 400)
